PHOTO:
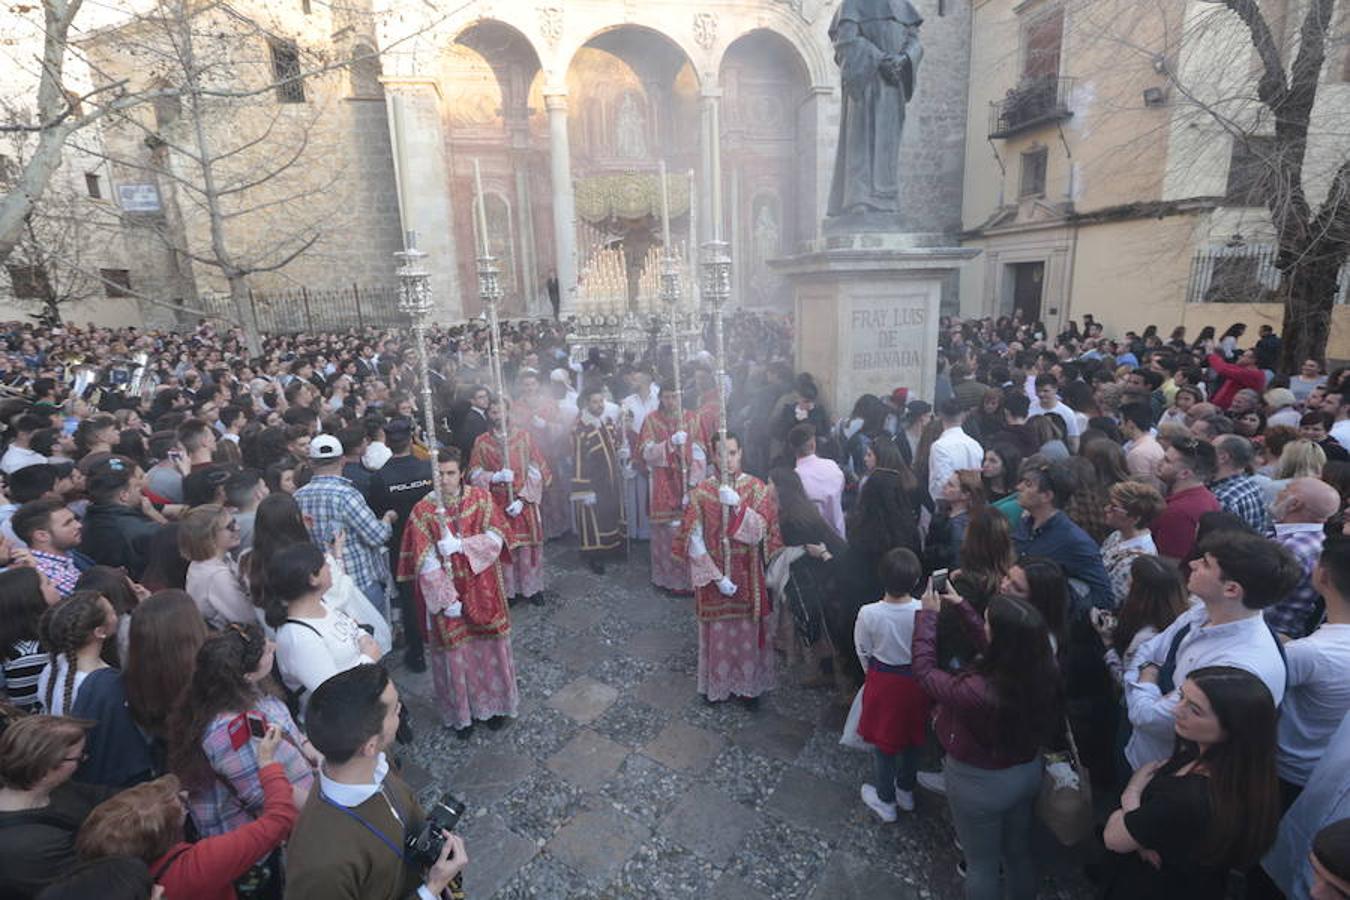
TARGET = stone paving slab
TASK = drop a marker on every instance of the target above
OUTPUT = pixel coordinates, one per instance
(775, 736)
(847, 877)
(588, 760)
(733, 887)
(814, 803)
(709, 824)
(597, 843)
(667, 691)
(685, 748)
(580, 652)
(491, 775)
(578, 617)
(584, 699)
(497, 854)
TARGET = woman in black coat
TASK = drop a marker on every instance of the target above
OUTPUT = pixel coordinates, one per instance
(811, 589)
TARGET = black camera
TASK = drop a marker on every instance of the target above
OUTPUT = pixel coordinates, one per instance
(424, 846)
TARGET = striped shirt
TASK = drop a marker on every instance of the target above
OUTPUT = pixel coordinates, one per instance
(22, 664)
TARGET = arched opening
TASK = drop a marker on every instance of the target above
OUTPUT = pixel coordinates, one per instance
(365, 73)
(493, 113)
(632, 102)
(768, 161)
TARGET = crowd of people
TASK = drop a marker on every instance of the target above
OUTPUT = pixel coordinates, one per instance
(1131, 552)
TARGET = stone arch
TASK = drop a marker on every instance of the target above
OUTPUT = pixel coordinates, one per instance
(769, 135)
(764, 39)
(689, 51)
(364, 72)
(632, 97)
(816, 67)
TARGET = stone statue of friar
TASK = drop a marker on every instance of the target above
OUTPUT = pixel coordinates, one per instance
(876, 45)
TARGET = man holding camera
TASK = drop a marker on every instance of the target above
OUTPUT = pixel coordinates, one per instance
(352, 839)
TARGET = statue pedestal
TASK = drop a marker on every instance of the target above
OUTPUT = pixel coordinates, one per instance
(867, 312)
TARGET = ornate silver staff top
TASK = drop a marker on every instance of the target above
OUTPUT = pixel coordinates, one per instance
(490, 293)
(414, 298)
(717, 290)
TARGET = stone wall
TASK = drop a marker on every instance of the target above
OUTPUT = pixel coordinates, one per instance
(932, 153)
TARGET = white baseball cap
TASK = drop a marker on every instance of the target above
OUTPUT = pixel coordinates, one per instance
(325, 446)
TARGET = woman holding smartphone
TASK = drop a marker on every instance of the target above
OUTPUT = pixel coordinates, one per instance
(230, 699)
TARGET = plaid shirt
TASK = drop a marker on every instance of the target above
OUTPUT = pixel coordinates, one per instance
(1241, 496)
(331, 504)
(1297, 614)
(60, 568)
(235, 795)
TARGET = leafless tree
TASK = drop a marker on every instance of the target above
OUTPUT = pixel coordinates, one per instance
(198, 95)
(1313, 240)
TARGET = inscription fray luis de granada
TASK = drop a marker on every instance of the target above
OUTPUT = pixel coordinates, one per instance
(887, 338)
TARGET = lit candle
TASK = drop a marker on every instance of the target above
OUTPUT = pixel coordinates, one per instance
(480, 206)
(716, 173)
(665, 211)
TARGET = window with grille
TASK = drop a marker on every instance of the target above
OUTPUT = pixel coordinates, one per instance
(1249, 170)
(167, 107)
(116, 282)
(286, 71)
(1235, 279)
(1033, 173)
(29, 282)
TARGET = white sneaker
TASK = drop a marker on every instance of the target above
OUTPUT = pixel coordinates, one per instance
(904, 800)
(885, 811)
(933, 781)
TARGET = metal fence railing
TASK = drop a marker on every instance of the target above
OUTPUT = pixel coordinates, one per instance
(311, 309)
(1245, 273)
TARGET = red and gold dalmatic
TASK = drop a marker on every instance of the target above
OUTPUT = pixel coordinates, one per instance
(669, 484)
(469, 654)
(524, 532)
(735, 648)
(596, 485)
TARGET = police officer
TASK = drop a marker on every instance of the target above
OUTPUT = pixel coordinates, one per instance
(398, 485)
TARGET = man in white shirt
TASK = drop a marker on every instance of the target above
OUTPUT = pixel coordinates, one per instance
(644, 400)
(822, 479)
(1340, 432)
(1143, 453)
(1235, 577)
(954, 450)
(1047, 401)
(19, 455)
(1318, 691)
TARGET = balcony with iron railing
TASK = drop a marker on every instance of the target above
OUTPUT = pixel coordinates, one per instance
(1032, 103)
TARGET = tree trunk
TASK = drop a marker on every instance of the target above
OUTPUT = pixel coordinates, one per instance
(244, 314)
(1309, 296)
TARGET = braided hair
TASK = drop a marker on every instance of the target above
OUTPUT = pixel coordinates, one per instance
(63, 630)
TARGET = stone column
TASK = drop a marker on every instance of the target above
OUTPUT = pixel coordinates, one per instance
(818, 134)
(518, 137)
(564, 205)
(709, 102)
(414, 106)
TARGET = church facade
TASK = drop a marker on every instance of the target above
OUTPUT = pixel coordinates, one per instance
(567, 109)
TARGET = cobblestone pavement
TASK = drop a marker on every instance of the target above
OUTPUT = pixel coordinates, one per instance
(618, 781)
